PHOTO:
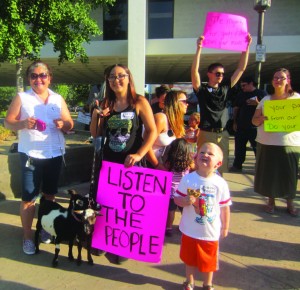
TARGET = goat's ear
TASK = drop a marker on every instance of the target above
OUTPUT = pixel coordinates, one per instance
(72, 192)
(98, 213)
(79, 211)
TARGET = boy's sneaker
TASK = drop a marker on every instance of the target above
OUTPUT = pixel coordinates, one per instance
(45, 237)
(28, 247)
(208, 287)
(187, 286)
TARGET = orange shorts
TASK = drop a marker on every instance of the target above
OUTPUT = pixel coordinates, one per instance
(199, 253)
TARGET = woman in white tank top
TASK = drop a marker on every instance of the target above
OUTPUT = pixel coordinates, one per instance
(169, 124)
(40, 116)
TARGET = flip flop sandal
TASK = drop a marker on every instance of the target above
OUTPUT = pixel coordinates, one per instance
(292, 211)
(270, 209)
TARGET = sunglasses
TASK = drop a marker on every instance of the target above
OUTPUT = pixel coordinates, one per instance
(219, 74)
(279, 79)
(183, 101)
(42, 76)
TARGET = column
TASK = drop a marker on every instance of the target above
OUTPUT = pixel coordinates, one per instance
(137, 42)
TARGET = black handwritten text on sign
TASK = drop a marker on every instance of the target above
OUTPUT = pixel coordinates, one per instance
(134, 207)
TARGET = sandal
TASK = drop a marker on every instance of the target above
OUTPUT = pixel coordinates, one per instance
(270, 208)
(292, 211)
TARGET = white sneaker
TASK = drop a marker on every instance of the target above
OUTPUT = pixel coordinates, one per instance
(28, 247)
(45, 237)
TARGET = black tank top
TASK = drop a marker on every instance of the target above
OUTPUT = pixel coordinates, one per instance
(123, 131)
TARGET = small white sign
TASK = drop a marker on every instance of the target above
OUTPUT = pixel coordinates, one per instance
(84, 118)
(260, 53)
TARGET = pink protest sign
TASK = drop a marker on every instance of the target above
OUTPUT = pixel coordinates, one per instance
(134, 211)
(225, 31)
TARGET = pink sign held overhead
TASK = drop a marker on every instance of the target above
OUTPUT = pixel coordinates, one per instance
(225, 31)
(134, 211)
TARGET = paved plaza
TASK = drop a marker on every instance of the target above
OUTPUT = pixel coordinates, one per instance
(262, 251)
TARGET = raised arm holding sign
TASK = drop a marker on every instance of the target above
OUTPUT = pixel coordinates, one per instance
(225, 31)
(214, 96)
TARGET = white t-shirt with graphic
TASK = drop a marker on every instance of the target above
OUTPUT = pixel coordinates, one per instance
(214, 195)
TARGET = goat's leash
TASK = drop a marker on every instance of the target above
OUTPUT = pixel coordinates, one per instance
(93, 184)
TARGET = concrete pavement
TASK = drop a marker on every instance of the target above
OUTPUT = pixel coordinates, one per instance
(262, 251)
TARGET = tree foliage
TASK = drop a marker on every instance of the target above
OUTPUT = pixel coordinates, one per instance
(6, 95)
(26, 25)
(73, 94)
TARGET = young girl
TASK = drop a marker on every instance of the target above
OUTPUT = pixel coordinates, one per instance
(180, 161)
(192, 131)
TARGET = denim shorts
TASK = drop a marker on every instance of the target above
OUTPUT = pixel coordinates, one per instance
(39, 174)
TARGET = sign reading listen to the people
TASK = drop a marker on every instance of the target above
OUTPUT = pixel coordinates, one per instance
(134, 211)
(225, 31)
(283, 115)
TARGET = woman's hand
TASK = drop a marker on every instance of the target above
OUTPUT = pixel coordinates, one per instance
(132, 159)
(59, 123)
(29, 123)
(200, 41)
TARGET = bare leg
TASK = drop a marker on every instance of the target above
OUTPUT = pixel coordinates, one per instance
(189, 273)
(170, 220)
(270, 207)
(27, 211)
(207, 278)
(271, 201)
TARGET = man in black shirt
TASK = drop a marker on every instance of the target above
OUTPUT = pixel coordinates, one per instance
(213, 98)
(244, 108)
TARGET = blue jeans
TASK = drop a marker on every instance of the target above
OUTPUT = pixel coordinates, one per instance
(37, 173)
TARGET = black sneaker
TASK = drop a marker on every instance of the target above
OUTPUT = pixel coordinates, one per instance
(235, 169)
(121, 260)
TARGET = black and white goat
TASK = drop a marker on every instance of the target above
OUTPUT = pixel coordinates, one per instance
(67, 224)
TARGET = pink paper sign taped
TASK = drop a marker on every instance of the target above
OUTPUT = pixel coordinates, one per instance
(134, 211)
(225, 31)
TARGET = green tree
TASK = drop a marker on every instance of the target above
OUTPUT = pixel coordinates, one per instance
(73, 94)
(6, 95)
(26, 25)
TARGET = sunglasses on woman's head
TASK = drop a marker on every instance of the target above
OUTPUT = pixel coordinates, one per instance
(183, 101)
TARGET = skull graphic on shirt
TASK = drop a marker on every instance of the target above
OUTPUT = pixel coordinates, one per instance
(119, 132)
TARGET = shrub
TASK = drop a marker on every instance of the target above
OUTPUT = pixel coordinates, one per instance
(5, 133)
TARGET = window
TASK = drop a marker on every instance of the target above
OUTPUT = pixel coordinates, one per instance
(160, 18)
(115, 23)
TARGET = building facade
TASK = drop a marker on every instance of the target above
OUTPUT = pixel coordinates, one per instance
(157, 40)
